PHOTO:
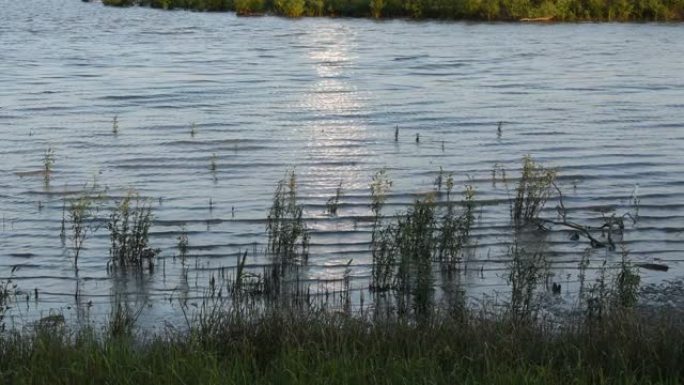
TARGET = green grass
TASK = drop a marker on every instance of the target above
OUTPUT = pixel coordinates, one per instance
(320, 348)
(486, 10)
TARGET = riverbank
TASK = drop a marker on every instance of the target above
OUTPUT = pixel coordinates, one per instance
(322, 348)
(484, 10)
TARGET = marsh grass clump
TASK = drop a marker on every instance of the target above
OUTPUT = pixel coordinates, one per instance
(383, 248)
(416, 242)
(122, 319)
(115, 125)
(406, 248)
(288, 234)
(333, 203)
(8, 290)
(183, 244)
(526, 272)
(129, 224)
(81, 216)
(535, 187)
(627, 280)
(213, 163)
(48, 164)
(454, 228)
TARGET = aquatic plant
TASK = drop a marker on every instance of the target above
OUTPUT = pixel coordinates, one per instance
(526, 271)
(8, 290)
(416, 242)
(626, 285)
(382, 246)
(535, 186)
(288, 235)
(129, 224)
(212, 163)
(404, 249)
(81, 214)
(453, 230)
(333, 203)
(183, 243)
(48, 164)
(122, 319)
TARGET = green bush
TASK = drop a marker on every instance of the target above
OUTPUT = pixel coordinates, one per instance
(289, 8)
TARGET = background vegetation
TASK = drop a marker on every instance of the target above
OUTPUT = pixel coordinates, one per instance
(503, 10)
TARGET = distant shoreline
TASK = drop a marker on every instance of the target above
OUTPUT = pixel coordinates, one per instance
(551, 11)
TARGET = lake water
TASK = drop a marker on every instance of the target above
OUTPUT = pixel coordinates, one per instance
(602, 102)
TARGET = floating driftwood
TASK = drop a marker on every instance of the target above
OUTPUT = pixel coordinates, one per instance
(537, 19)
(652, 266)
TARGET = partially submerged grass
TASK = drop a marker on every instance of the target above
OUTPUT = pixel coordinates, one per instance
(288, 235)
(7, 291)
(525, 274)
(406, 249)
(48, 164)
(115, 125)
(534, 189)
(129, 224)
(81, 212)
(243, 339)
(333, 203)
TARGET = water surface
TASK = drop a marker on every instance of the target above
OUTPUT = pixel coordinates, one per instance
(602, 102)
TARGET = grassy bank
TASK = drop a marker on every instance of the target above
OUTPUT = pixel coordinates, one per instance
(321, 348)
(489, 10)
